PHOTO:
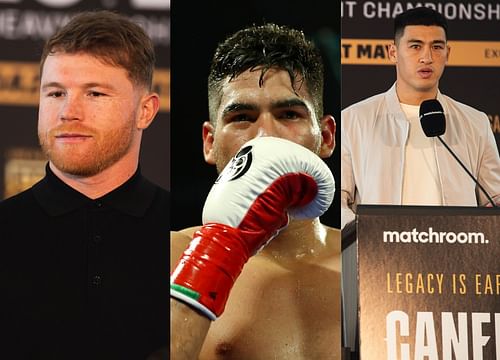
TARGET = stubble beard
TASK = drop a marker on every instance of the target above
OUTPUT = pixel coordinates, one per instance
(221, 158)
(109, 147)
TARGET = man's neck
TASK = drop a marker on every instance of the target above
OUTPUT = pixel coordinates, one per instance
(300, 240)
(412, 97)
(102, 183)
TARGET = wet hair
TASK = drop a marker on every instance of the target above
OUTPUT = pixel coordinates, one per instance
(265, 47)
(418, 16)
(110, 37)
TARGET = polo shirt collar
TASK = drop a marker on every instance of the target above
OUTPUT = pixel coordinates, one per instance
(57, 198)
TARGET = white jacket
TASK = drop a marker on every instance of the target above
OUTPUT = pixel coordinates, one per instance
(374, 134)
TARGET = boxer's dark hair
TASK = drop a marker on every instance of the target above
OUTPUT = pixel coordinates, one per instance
(265, 47)
(111, 38)
(418, 16)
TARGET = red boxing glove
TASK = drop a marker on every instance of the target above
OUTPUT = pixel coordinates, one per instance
(268, 180)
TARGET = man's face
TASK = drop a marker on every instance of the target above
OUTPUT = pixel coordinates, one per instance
(275, 109)
(420, 56)
(87, 115)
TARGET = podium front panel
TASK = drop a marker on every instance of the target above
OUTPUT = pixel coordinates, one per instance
(429, 282)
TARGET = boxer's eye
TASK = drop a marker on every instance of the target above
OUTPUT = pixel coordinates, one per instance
(96, 94)
(55, 94)
(241, 117)
(289, 115)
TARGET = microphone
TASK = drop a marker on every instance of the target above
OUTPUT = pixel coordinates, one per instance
(433, 123)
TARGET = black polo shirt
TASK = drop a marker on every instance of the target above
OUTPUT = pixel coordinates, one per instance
(82, 278)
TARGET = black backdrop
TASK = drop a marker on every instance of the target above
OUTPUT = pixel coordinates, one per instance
(197, 28)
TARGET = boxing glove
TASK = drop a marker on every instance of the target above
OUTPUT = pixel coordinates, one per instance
(269, 180)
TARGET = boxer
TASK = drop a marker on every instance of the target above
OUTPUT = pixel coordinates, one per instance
(260, 279)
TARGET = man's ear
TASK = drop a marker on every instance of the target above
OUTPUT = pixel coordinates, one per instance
(149, 105)
(328, 128)
(392, 52)
(208, 142)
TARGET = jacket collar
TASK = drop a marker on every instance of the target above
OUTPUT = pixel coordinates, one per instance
(57, 198)
(394, 106)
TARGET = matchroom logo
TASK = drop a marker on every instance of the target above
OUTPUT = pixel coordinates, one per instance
(434, 237)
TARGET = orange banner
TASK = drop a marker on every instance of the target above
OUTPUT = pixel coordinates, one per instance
(463, 53)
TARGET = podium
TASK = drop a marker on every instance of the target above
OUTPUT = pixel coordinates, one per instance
(428, 283)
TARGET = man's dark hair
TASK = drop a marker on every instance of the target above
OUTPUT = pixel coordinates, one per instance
(418, 16)
(265, 47)
(111, 38)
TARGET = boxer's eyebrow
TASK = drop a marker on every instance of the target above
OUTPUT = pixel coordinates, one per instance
(289, 103)
(237, 106)
(55, 84)
(278, 104)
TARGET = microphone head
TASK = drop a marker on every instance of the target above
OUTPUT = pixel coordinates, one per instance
(432, 118)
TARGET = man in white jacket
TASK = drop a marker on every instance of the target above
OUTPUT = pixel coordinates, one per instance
(386, 157)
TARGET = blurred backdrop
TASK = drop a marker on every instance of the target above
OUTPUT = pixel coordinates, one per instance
(473, 69)
(24, 26)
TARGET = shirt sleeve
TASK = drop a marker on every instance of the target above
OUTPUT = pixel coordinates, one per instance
(489, 169)
(348, 185)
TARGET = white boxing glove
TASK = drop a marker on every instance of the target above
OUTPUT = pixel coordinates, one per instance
(259, 163)
(269, 180)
